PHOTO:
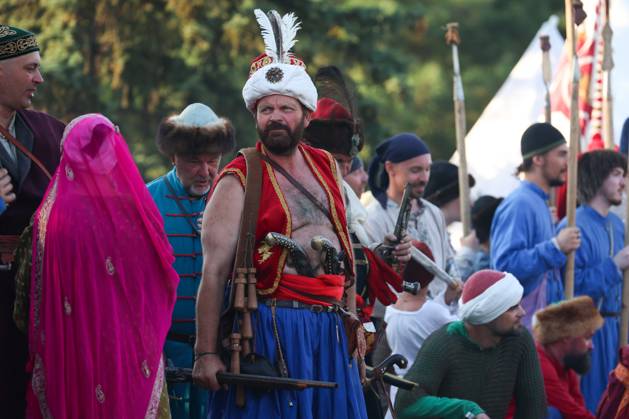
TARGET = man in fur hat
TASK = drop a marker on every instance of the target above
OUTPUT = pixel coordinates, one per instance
(479, 366)
(301, 303)
(39, 134)
(601, 258)
(563, 334)
(523, 239)
(194, 141)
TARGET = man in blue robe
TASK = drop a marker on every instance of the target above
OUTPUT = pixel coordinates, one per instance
(194, 141)
(523, 239)
(600, 259)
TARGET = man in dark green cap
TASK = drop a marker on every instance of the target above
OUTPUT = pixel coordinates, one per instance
(523, 239)
(29, 151)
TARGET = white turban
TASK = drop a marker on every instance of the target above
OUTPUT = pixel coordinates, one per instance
(493, 294)
(280, 79)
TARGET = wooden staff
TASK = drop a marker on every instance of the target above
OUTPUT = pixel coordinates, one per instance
(608, 65)
(574, 12)
(546, 73)
(547, 77)
(453, 39)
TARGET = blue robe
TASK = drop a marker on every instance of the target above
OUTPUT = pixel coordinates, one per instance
(314, 347)
(520, 243)
(186, 401)
(596, 275)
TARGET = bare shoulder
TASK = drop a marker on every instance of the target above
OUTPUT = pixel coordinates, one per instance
(227, 200)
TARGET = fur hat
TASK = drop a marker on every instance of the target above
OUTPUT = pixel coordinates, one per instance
(195, 130)
(566, 319)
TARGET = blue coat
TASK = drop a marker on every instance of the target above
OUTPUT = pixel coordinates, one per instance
(596, 275)
(521, 243)
(183, 234)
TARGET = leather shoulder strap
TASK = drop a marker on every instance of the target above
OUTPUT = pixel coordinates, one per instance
(6, 134)
(249, 219)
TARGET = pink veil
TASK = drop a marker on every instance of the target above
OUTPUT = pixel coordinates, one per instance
(103, 288)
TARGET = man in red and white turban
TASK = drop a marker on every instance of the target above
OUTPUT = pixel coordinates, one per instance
(474, 368)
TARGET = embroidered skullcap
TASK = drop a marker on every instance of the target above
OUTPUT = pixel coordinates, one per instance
(15, 42)
(277, 71)
(487, 294)
(540, 138)
(196, 130)
(399, 148)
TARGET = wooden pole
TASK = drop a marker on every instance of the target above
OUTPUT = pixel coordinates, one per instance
(575, 134)
(453, 39)
(546, 73)
(547, 77)
(608, 65)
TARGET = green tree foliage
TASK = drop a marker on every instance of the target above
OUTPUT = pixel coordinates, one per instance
(139, 61)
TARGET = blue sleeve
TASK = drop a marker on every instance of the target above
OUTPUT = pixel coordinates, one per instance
(593, 276)
(512, 250)
(3, 206)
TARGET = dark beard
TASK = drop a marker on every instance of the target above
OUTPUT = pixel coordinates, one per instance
(284, 144)
(553, 183)
(580, 363)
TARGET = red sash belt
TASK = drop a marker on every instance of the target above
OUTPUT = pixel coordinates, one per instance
(308, 290)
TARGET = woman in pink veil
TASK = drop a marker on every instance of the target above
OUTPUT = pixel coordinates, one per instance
(103, 288)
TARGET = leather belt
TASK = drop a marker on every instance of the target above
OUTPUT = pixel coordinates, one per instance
(315, 308)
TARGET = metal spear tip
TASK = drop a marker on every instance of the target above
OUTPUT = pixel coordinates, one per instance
(544, 41)
(452, 33)
(578, 12)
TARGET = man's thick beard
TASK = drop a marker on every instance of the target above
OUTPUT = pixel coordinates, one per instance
(284, 145)
(578, 363)
(556, 182)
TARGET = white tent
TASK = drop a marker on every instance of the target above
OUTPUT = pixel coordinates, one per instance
(493, 143)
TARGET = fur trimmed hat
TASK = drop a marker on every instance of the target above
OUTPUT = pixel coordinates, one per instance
(196, 130)
(566, 319)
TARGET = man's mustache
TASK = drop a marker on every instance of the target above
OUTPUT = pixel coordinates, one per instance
(276, 126)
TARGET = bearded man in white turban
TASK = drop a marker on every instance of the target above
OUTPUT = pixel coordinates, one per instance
(484, 365)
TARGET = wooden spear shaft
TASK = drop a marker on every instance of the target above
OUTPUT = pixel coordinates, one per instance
(571, 201)
(546, 73)
(608, 65)
(453, 39)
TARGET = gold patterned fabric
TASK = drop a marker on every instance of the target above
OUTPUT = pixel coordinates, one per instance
(15, 42)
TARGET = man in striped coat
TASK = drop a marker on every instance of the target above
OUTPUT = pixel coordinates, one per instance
(194, 141)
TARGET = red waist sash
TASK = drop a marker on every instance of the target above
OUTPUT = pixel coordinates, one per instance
(320, 290)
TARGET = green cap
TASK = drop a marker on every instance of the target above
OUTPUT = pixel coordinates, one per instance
(15, 42)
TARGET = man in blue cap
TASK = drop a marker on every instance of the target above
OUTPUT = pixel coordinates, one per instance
(194, 141)
(402, 159)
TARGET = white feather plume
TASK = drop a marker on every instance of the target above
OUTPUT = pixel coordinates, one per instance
(267, 34)
(288, 25)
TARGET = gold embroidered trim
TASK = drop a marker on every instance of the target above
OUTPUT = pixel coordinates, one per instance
(238, 173)
(287, 229)
(6, 31)
(343, 234)
(17, 46)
